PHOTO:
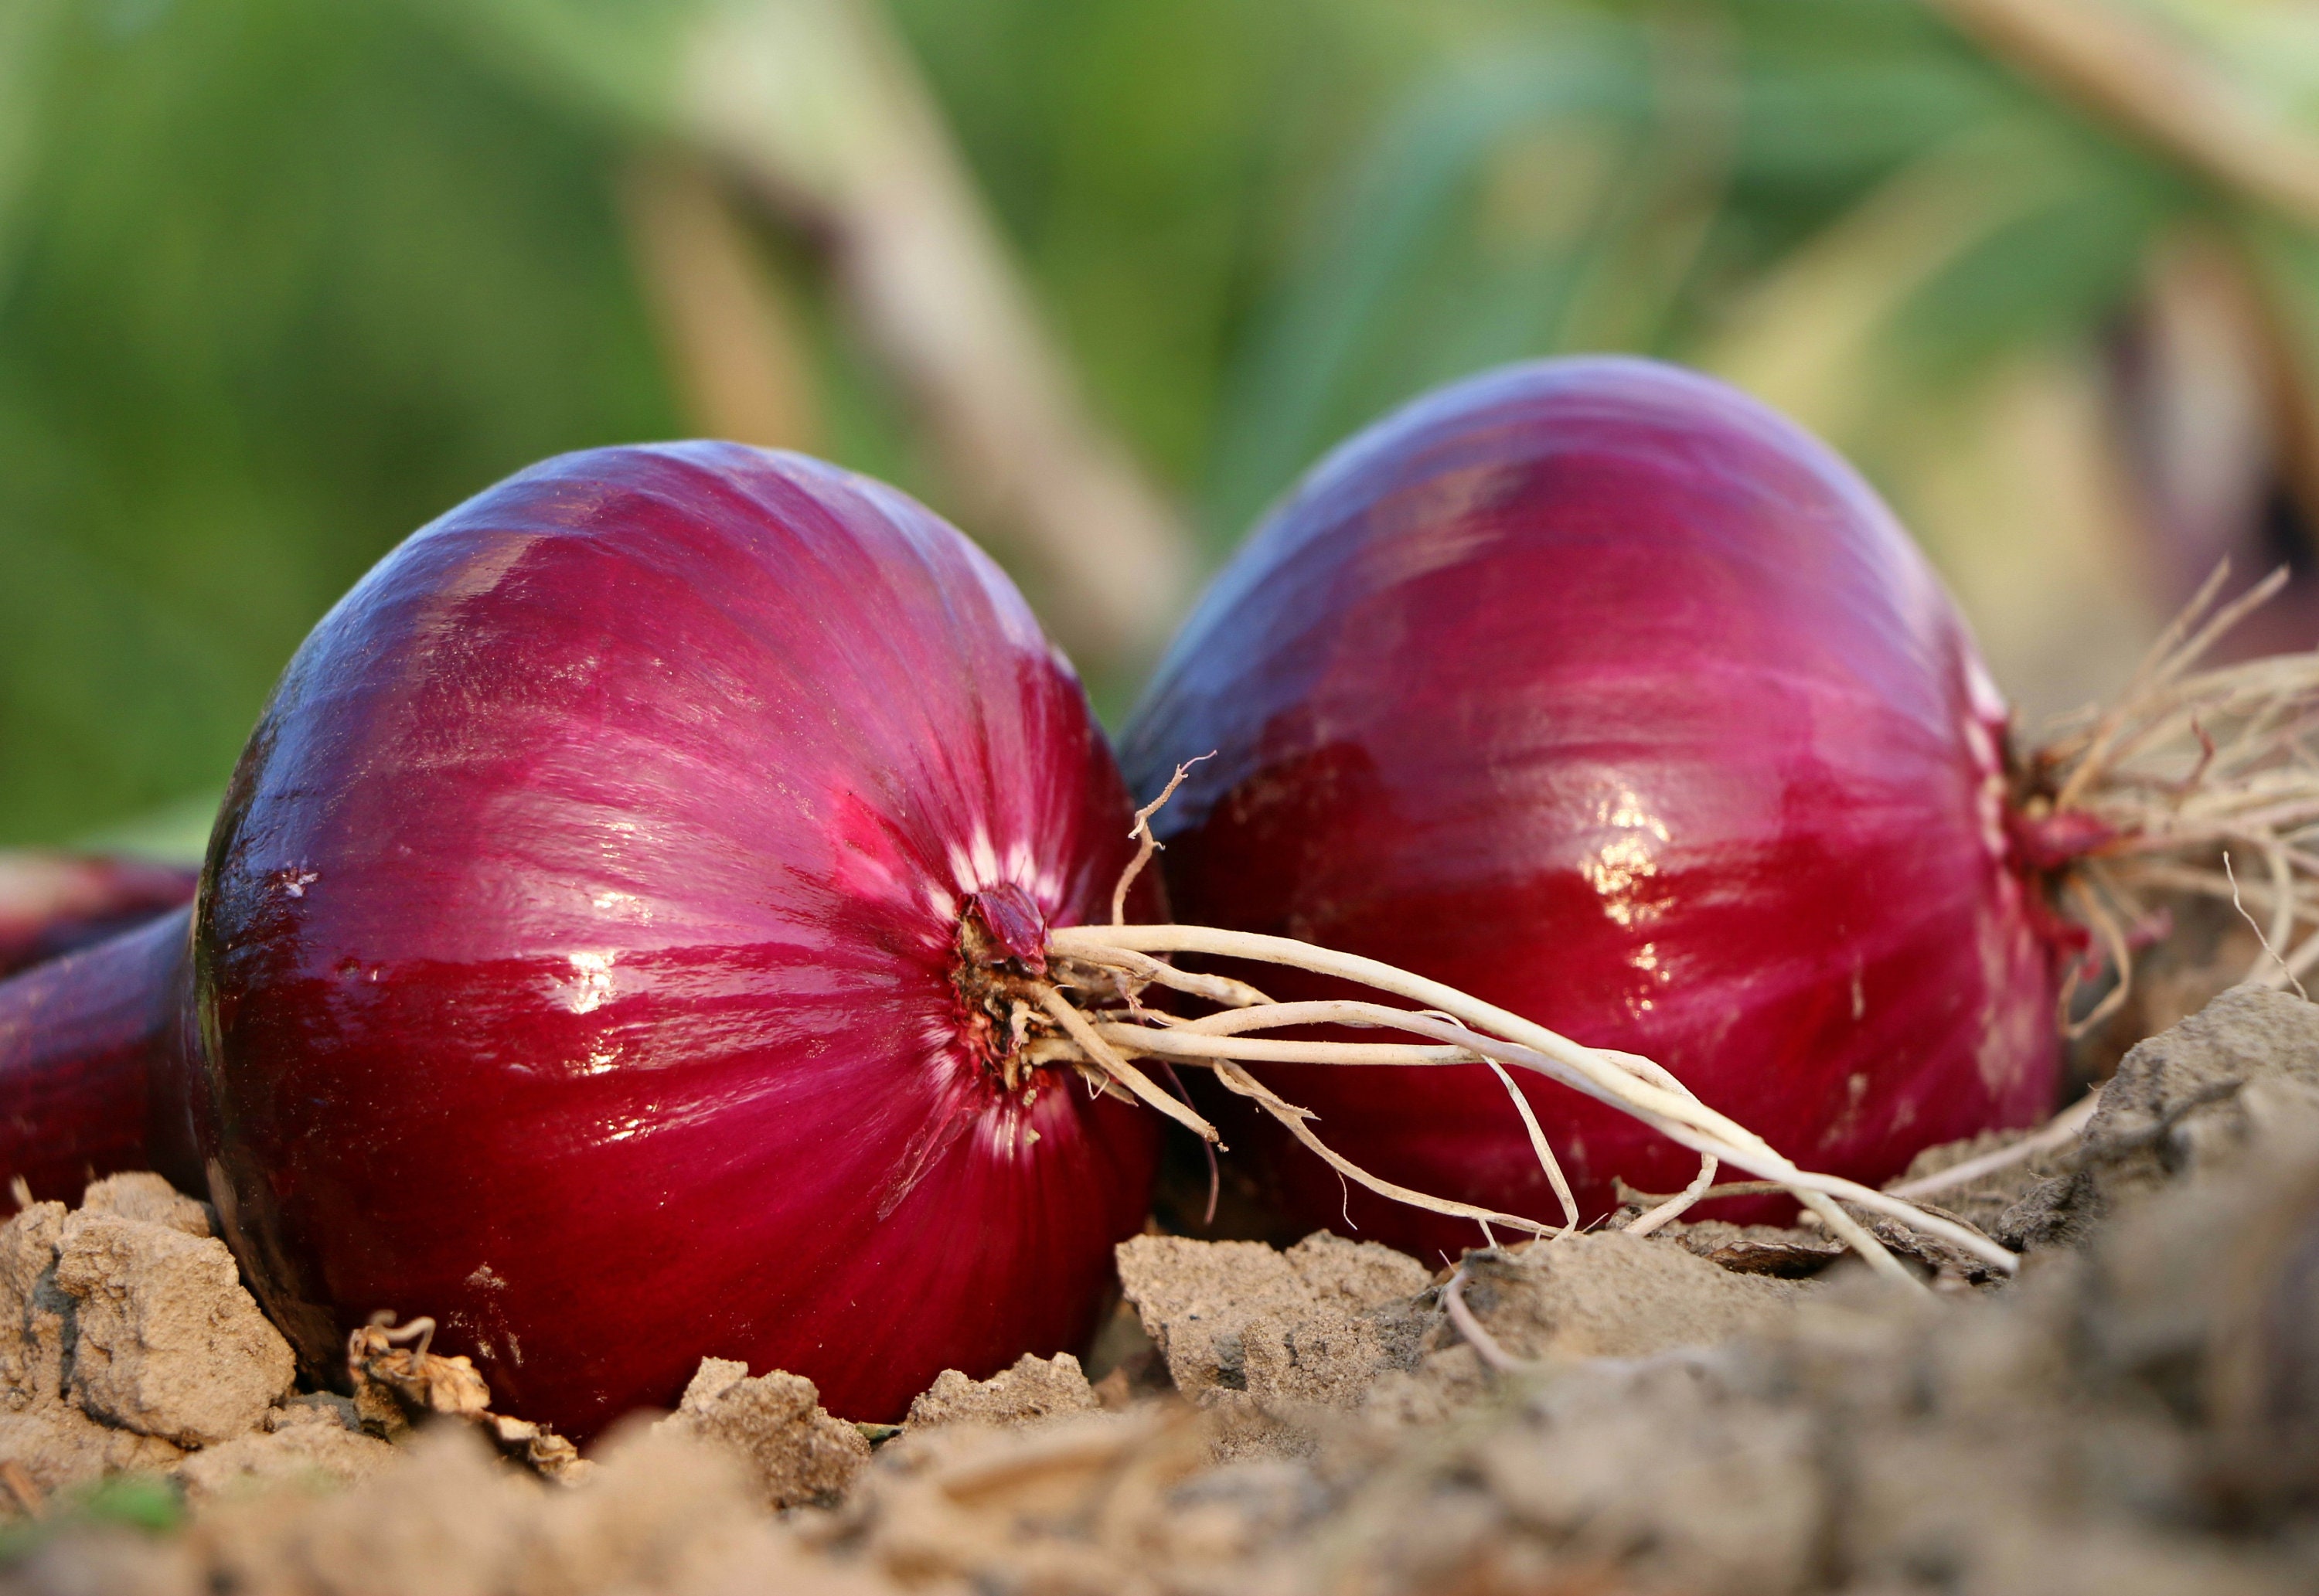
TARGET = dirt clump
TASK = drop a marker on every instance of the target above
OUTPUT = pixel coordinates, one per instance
(794, 1452)
(146, 1196)
(1982, 1201)
(128, 1345)
(1316, 1323)
(313, 1442)
(35, 1316)
(970, 1504)
(1610, 1294)
(167, 1342)
(1586, 1474)
(58, 1446)
(2136, 1417)
(1034, 1390)
(662, 1515)
(2182, 1103)
(1332, 1323)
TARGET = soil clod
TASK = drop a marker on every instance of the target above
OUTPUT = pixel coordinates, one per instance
(1034, 1389)
(796, 1454)
(167, 1341)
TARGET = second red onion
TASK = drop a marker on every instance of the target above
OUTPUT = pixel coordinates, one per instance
(1597, 689)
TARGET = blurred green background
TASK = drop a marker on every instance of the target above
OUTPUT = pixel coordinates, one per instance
(1098, 279)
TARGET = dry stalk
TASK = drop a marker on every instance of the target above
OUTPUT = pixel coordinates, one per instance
(2133, 72)
(820, 109)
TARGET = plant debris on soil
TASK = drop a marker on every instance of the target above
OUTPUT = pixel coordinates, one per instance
(1712, 1409)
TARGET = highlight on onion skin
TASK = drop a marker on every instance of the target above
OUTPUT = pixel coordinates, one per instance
(594, 948)
(1597, 691)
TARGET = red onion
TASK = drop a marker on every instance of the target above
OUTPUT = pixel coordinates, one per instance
(53, 903)
(83, 1037)
(1600, 692)
(596, 945)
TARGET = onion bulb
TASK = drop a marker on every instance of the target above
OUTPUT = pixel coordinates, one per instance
(1600, 692)
(596, 950)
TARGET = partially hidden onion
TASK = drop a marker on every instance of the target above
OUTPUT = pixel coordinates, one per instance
(1597, 689)
(53, 903)
(90, 1078)
(592, 950)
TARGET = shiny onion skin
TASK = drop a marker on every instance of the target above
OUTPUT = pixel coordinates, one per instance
(91, 1082)
(1596, 689)
(575, 957)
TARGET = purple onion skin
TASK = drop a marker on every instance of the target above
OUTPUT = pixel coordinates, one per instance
(573, 960)
(1598, 689)
(53, 904)
(91, 1044)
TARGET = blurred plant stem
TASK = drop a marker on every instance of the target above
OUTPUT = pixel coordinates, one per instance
(1809, 335)
(279, 282)
(735, 350)
(2221, 424)
(815, 104)
(2014, 480)
(1658, 221)
(2129, 71)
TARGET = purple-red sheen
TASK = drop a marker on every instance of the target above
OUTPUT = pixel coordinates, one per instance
(89, 1048)
(574, 960)
(1602, 691)
(51, 904)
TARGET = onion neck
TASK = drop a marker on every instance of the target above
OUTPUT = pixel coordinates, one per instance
(998, 967)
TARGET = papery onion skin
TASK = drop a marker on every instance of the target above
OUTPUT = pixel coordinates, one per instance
(1598, 689)
(573, 958)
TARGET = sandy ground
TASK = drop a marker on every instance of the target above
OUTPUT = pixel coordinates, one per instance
(1703, 1412)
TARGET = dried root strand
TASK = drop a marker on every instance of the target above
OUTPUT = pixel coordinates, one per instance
(1146, 844)
(1077, 1026)
(2188, 769)
(1486, 1347)
(2057, 1131)
(1466, 1030)
(1236, 1079)
(1675, 1207)
(1220, 990)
